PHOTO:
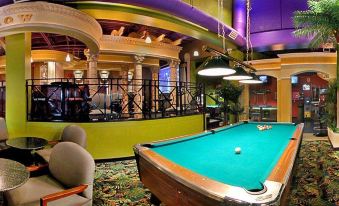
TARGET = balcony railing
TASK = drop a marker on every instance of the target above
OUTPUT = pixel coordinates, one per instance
(111, 99)
(2, 98)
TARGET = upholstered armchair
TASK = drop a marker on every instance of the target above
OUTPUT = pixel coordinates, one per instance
(3, 134)
(69, 183)
(71, 133)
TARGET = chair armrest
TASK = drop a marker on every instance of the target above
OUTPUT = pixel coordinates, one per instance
(34, 168)
(58, 195)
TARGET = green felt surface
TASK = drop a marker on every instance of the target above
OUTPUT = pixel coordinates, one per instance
(213, 156)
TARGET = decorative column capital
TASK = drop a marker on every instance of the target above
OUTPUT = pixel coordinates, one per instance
(139, 59)
(183, 65)
(91, 57)
(125, 67)
(155, 69)
(174, 63)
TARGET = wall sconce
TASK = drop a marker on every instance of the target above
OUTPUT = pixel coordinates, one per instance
(104, 74)
(78, 74)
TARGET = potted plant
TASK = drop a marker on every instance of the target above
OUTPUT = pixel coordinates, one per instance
(330, 111)
(320, 23)
(230, 93)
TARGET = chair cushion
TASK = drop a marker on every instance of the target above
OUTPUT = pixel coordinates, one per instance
(3, 145)
(76, 134)
(3, 129)
(45, 153)
(30, 193)
(72, 165)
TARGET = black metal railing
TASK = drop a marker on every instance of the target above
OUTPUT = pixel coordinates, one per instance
(2, 99)
(111, 99)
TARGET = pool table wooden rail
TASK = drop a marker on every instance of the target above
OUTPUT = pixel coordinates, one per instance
(285, 164)
(176, 185)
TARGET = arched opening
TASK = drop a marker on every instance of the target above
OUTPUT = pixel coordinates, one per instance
(263, 100)
(308, 100)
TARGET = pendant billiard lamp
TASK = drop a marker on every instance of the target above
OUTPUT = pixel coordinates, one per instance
(240, 74)
(255, 79)
(215, 66)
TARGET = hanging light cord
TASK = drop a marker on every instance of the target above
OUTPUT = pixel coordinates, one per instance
(248, 32)
(221, 33)
(221, 28)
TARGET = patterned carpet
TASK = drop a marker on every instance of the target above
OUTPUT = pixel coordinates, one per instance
(316, 181)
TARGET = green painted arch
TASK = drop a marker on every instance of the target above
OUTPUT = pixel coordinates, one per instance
(31, 17)
(99, 9)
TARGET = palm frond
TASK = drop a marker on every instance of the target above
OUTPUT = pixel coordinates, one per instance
(318, 40)
(320, 23)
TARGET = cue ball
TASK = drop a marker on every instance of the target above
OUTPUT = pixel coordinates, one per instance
(237, 150)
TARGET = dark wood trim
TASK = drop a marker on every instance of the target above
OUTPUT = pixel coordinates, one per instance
(58, 195)
(115, 159)
(283, 168)
(34, 168)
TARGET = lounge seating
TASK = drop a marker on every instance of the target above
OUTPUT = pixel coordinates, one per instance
(3, 134)
(70, 182)
(71, 133)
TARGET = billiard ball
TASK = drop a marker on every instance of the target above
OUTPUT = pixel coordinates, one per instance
(237, 150)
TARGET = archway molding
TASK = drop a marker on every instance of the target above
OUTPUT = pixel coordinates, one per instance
(50, 18)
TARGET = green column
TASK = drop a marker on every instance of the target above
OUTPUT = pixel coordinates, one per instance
(18, 68)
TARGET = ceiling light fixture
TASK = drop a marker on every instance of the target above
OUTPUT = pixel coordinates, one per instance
(148, 39)
(240, 74)
(68, 58)
(196, 53)
(255, 79)
(215, 66)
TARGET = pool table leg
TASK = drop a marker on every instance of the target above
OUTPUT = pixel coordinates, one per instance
(154, 200)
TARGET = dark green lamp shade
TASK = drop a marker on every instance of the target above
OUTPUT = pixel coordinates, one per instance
(215, 66)
(240, 74)
(254, 80)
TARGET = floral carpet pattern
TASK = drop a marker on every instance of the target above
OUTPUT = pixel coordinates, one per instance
(316, 178)
(117, 184)
(316, 181)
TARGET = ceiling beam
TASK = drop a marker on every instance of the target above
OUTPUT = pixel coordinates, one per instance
(177, 42)
(2, 43)
(118, 32)
(48, 42)
(58, 46)
(160, 38)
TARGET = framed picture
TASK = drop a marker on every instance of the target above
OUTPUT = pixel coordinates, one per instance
(306, 87)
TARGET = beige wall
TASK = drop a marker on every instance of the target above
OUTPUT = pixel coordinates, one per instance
(287, 65)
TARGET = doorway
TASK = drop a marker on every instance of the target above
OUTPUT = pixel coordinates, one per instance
(263, 100)
(308, 101)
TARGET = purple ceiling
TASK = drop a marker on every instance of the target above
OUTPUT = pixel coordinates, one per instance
(271, 20)
(185, 11)
(272, 25)
(5, 2)
(176, 8)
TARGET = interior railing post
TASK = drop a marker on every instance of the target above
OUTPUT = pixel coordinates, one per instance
(180, 97)
(2, 98)
(202, 86)
(149, 107)
(143, 99)
(110, 90)
(27, 96)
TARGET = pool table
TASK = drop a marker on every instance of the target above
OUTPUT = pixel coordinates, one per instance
(204, 169)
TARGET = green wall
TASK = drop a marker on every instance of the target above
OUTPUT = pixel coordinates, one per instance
(116, 139)
(211, 7)
(18, 50)
(105, 139)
